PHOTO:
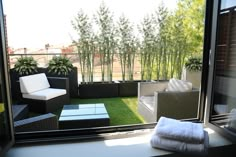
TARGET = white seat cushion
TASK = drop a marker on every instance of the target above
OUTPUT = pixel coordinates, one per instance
(45, 94)
(148, 101)
(176, 85)
(33, 83)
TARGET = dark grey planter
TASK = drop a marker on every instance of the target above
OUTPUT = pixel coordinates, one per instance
(127, 89)
(98, 90)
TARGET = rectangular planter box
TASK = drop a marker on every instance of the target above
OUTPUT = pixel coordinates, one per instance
(127, 89)
(99, 90)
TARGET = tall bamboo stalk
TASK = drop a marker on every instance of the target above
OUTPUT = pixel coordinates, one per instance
(104, 20)
(127, 47)
(147, 30)
(85, 46)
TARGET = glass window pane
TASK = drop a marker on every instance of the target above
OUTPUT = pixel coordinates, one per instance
(227, 4)
(113, 46)
(224, 98)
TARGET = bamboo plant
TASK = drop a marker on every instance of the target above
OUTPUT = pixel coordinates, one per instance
(147, 30)
(165, 42)
(127, 47)
(106, 41)
(85, 45)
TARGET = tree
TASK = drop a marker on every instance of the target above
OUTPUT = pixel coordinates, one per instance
(193, 23)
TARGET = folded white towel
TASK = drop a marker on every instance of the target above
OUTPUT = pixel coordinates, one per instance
(180, 146)
(232, 119)
(183, 131)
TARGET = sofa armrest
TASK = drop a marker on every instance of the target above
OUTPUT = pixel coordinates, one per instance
(39, 123)
(148, 88)
(179, 105)
(59, 82)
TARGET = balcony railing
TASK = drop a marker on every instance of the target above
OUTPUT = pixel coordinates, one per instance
(43, 60)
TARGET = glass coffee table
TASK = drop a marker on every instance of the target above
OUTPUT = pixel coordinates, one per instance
(84, 116)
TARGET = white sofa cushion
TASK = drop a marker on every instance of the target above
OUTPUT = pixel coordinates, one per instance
(176, 85)
(33, 83)
(148, 101)
(45, 94)
(221, 108)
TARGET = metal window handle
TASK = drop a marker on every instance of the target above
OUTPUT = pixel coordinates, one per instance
(209, 57)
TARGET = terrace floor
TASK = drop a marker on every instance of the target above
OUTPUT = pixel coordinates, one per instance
(122, 111)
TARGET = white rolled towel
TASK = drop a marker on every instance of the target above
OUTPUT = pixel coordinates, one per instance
(180, 146)
(232, 119)
(177, 130)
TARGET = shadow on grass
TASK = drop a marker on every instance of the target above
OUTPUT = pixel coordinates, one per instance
(122, 111)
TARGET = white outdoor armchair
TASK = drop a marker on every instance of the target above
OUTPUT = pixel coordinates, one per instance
(44, 94)
(154, 101)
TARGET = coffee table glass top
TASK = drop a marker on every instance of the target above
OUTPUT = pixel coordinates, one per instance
(83, 111)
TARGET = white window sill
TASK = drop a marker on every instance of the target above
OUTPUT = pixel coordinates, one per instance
(126, 147)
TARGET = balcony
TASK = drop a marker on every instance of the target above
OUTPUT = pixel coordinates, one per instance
(119, 95)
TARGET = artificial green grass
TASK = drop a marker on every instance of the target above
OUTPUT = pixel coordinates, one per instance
(122, 111)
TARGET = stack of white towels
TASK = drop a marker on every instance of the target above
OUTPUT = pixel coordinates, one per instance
(185, 137)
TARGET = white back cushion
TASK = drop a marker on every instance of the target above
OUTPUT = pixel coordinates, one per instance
(176, 85)
(33, 83)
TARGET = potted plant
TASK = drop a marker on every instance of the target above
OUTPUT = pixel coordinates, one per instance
(85, 45)
(23, 66)
(26, 66)
(105, 48)
(192, 70)
(61, 66)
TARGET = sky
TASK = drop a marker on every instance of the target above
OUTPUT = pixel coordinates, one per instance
(34, 23)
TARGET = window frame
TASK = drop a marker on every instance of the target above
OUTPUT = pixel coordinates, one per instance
(103, 132)
(211, 77)
(5, 83)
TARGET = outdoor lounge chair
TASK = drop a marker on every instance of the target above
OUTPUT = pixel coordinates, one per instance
(39, 123)
(44, 95)
(154, 101)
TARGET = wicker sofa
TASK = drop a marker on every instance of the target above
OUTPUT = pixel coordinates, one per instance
(44, 94)
(154, 102)
(43, 122)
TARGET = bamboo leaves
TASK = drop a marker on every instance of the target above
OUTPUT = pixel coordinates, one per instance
(85, 45)
(127, 47)
(147, 31)
(164, 41)
(106, 41)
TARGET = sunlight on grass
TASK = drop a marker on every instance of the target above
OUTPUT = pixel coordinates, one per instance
(122, 111)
